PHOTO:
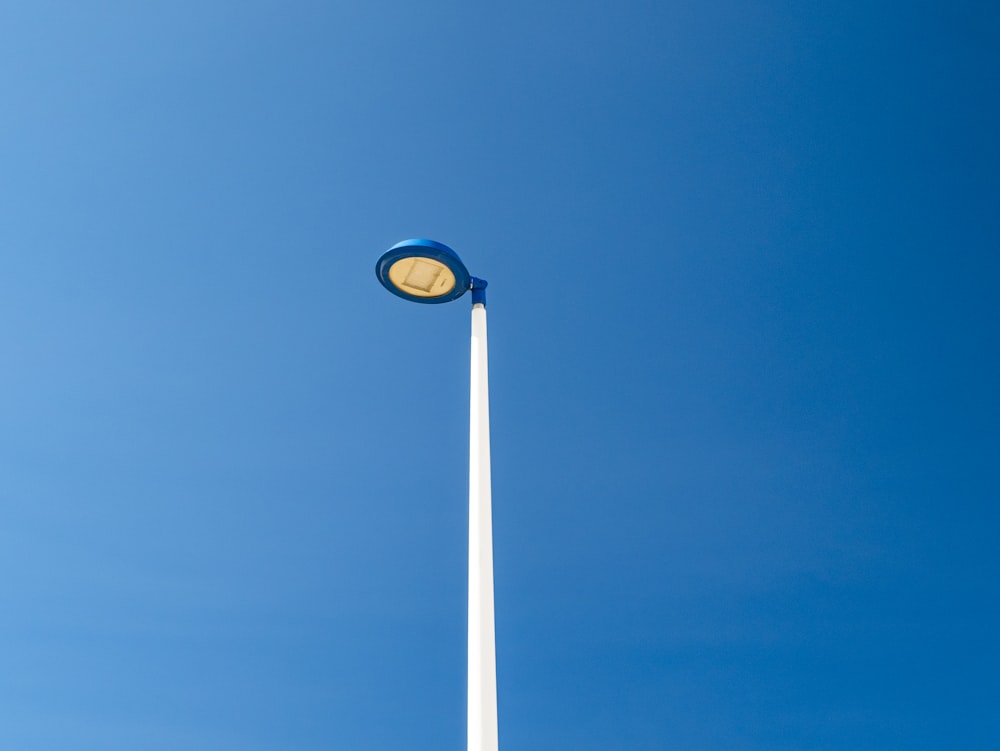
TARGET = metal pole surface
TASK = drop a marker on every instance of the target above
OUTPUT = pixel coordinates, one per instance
(482, 727)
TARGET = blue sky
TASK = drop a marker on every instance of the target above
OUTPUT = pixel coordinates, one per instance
(743, 265)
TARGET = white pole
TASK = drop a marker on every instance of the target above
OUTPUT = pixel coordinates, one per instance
(482, 641)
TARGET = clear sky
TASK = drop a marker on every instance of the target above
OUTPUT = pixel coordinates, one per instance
(743, 264)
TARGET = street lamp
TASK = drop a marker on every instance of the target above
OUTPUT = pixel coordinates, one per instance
(428, 272)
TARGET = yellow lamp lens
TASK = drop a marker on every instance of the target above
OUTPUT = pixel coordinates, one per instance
(422, 277)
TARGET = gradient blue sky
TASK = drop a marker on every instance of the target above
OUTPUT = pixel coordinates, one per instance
(744, 357)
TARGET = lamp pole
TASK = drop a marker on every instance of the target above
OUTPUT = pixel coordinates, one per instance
(428, 272)
(482, 725)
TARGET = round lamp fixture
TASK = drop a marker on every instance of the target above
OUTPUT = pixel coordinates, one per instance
(423, 271)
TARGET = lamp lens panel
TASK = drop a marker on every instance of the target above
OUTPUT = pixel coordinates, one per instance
(422, 277)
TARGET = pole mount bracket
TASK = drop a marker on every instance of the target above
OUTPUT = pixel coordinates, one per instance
(478, 288)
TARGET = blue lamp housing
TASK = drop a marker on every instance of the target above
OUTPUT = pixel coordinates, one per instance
(422, 274)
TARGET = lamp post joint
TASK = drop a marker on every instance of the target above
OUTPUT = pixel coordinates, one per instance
(478, 288)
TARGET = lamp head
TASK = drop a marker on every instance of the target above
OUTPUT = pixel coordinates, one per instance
(423, 271)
